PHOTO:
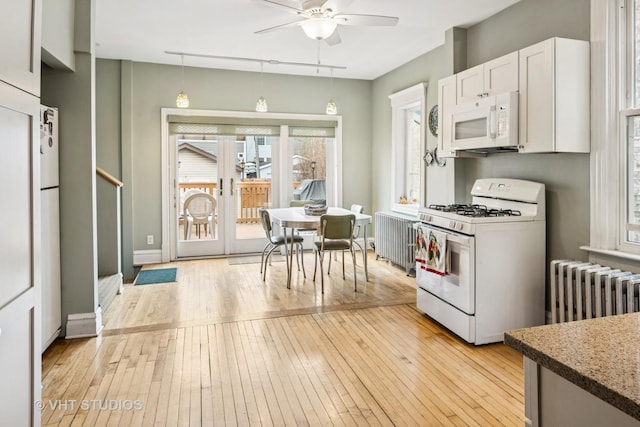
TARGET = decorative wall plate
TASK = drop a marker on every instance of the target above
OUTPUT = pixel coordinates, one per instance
(428, 158)
(433, 120)
(439, 160)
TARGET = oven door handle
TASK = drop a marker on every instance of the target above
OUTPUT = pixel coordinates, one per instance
(452, 237)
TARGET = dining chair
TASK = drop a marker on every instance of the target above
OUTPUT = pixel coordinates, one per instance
(199, 209)
(336, 234)
(300, 203)
(274, 242)
(357, 209)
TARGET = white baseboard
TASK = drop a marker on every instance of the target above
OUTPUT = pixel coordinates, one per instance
(152, 256)
(83, 325)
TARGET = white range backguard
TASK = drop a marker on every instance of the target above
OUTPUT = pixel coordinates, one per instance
(495, 278)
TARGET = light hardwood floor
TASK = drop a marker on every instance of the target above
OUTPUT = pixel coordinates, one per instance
(221, 348)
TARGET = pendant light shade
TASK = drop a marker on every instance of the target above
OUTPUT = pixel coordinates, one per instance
(332, 108)
(261, 105)
(182, 100)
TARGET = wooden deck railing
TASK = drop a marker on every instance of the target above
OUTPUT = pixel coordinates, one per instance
(252, 195)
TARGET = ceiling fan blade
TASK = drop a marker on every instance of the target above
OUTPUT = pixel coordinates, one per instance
(336, 6)
(279, 27)
(286, 5)
(333, 39)
(372, 20)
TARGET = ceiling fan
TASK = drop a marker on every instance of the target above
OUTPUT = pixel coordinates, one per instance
(320, 18)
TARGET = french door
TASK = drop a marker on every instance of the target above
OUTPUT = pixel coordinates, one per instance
(220, 183)
(222, 167)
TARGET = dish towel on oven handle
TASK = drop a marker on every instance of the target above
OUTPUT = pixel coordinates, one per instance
(431, 251)
(436, 253)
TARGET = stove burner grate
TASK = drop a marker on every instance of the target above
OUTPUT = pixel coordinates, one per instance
(477, 211)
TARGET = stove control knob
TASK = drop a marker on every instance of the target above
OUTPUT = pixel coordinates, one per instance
(452, 224)
(460, 226)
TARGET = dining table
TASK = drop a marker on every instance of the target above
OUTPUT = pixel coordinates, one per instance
(292, 218)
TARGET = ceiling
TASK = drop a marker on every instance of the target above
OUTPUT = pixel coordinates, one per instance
(142, 30)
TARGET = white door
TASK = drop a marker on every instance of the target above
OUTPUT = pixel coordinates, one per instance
(220, 183)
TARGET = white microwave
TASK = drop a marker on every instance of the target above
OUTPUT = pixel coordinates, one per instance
(487, 123)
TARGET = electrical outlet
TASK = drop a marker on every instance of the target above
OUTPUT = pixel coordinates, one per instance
(150, 239)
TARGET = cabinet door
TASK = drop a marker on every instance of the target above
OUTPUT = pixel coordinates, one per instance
(20, 50)
(19, 258)
(501, 74)
(537, 103)
(446, 102)
(470, 84)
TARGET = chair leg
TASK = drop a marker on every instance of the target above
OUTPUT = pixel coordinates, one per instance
(329, 268)
(322, 275)
(355, 279)
(300, 252)
(264, 250)
(343, 276)
(315, 263)
(266, 261)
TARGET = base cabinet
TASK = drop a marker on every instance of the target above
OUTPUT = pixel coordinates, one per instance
(551, 400)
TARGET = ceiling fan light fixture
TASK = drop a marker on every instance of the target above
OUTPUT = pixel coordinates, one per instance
(319, 28)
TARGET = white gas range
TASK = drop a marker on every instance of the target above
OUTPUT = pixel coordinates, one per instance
(480, 268)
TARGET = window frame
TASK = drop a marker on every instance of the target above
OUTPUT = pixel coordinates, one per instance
(402, 102)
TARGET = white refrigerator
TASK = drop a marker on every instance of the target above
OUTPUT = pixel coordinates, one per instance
(49, 198)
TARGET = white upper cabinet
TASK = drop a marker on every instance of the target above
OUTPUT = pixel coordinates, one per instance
(446, 102)
(493, 77)
(20, 49)
(554, 97)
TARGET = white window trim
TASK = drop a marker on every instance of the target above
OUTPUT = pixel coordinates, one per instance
(400, 102)
(608, 158)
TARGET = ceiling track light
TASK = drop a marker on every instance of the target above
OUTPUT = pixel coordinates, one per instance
(261, 104)
(332, 108)
(182, 100)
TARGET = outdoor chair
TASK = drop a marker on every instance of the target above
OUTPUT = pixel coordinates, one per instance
(199, 209)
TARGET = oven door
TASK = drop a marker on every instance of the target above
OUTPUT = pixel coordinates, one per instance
(457, 285)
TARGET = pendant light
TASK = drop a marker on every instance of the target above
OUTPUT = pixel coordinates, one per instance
(332, 108)
(261, 104)
(182, 100)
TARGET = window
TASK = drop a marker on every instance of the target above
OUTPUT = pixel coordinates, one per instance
(615, 129)
(407, 145)
(630, 117)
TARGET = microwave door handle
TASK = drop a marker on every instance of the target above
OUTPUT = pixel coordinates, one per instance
(492, 123)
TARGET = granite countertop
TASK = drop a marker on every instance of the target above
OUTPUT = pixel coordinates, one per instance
(600, 355)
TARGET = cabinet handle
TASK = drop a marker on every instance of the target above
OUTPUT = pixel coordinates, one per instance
(231, 188)
(221, 190)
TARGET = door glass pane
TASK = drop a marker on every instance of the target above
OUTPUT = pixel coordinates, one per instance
(253, 170)
(309, 168)
(198, 172)
(414, 157)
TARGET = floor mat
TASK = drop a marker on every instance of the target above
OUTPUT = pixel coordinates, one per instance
(161, 275)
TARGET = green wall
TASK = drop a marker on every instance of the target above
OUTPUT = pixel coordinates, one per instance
(131, 95)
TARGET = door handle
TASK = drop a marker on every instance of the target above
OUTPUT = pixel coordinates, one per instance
(231, 189)
(221, 190)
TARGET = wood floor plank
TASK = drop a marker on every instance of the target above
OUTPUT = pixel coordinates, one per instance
(223, 347)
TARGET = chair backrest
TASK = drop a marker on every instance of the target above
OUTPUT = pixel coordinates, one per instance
(337, 226)
(357, 208)
(200, 205)
(265, 219)
(300, 203)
